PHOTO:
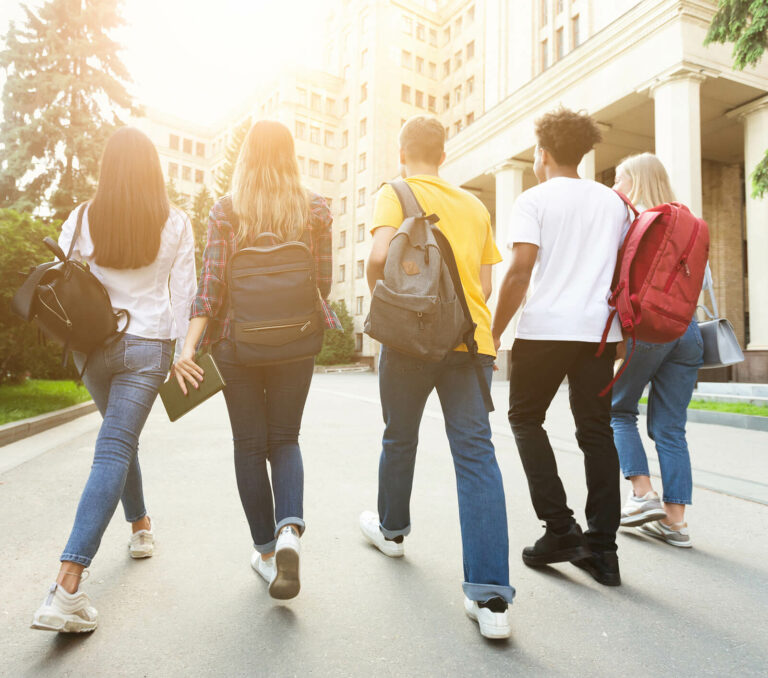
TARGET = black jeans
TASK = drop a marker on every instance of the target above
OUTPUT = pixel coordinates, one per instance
(538, 369)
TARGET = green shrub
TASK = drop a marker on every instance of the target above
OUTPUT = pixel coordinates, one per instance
(338, 345)
(21, 350)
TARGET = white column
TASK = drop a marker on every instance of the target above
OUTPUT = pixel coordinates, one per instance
(678, 134)
(587, 166)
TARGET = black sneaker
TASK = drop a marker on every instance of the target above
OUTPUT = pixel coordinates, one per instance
(557, 548)
(603, 566)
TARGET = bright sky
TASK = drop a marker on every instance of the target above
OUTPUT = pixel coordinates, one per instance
(198, 59)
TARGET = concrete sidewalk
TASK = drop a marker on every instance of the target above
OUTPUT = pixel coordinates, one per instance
(197, 608)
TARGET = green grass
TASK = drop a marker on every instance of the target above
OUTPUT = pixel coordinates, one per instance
(38, 396)
(734, 408)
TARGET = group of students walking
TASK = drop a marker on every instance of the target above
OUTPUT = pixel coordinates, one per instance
(564, 237)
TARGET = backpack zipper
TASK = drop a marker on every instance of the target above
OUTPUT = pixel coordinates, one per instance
(273, 271)
(278, 327)
(683, 263)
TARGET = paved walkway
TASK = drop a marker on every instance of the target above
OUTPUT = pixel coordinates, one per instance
(197, 609)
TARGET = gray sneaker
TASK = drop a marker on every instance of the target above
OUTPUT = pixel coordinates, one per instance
(676, 536)
(639, 510)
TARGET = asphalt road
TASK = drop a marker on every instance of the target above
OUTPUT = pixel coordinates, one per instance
(197, 608)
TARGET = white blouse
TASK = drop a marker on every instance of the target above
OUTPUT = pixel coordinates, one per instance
(157, 296)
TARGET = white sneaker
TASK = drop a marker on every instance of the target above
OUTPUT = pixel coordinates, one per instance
(494, 625)
(266, 568)
(369, 526)
(639, 510)
(65, 612)
(285, 583)
(679, 535)
(142, 544)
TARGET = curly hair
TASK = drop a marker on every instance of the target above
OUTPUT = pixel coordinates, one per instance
(568, 135)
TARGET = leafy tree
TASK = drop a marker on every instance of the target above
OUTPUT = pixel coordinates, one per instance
(201, 207)
(62, 99)
(745, 24)
(338, 345)
(225, 172)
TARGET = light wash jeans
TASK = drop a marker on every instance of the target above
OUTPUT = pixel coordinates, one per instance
(405, 384)
(671, 369)
(123, 380)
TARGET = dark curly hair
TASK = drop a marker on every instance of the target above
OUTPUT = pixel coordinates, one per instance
(568, 135)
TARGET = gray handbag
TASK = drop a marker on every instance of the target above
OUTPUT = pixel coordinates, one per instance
(721, 347)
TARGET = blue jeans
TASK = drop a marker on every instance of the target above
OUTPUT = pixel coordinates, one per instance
(123, 379)
(671, 369)
(265, 408)
(405, 384)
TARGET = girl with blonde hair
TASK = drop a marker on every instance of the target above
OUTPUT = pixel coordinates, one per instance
(670, 371)
(265, 402)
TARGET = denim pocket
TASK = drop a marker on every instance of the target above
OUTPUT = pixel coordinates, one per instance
(146, 356)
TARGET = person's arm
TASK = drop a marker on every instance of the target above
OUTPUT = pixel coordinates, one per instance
(185, 367)
(322, 246)
(513, 287)
(486, 280)
(374, 271)
(182, 282)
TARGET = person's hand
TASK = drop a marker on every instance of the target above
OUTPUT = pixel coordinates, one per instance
(496, 342)
(185, 369)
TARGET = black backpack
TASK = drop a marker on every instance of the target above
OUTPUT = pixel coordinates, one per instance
(274, 304)
(67, 302)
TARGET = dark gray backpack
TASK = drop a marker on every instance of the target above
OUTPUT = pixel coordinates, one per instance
(419, 308)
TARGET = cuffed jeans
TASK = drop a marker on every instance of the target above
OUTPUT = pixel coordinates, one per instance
(123, 379)
(405, 384)
(671, 369)
(538, 369)
(265, 406)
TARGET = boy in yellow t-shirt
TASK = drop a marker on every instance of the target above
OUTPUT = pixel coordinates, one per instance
(405, 383)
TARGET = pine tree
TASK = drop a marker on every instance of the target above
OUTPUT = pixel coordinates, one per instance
(176, 198)
(201, 208)
(225, 172)
(745, 24)
(63, 97)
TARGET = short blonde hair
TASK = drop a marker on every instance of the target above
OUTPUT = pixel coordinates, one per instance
(650, 181)
(422, 138)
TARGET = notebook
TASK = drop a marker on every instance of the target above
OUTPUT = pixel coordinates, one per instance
(177, 404)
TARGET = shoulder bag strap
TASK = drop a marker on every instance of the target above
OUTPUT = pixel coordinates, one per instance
(78, 229)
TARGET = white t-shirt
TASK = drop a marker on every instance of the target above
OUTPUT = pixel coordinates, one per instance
(157, 296)
(578, 226)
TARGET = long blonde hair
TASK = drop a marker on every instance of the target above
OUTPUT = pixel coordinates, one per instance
(650, 181)
(267, 194)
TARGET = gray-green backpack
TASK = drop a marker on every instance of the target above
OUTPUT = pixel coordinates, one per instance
(419, 308)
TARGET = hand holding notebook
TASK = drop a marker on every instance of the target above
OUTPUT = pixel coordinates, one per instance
(177, 403)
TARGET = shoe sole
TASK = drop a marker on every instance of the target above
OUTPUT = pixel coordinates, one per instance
(661, 537)
(396, 553)
(286, 583)
(138, 555)
(638, 519)
(604, 579)
(69, 624)
(493, 634)
(562, 556)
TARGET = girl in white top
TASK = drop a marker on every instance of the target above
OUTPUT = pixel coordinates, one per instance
(142, 250)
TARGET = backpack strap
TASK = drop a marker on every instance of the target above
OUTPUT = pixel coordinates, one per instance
(408, 202)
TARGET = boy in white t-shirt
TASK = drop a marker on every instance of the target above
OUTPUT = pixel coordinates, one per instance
(565, 235)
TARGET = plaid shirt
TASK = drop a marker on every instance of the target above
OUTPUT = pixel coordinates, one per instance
(211, 298)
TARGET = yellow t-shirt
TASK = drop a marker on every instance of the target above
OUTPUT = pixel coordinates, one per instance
(466, 224)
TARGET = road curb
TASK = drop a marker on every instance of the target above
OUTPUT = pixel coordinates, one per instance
(746, 421)
(16, 430)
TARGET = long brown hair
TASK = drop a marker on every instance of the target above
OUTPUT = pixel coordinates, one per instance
(130, 208)
(267, 194)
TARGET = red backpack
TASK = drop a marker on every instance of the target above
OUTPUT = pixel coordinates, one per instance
(659, 275)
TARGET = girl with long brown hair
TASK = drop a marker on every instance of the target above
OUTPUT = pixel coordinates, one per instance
(142, 250)
(265, 402)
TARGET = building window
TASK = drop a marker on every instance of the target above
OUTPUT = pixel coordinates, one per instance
(358, 342)
(186, 173)
(317, 102)
(301, 130)
(457, 94)
(361, 197)
(346, 73)
(345, 138)
(363, 127)
(361, 162)
(560, 44)
(407, 25)
(363, 58)
(560, 6)
(360, 270)
(470, 118)
(344, 171)
(314, 168)
(345, 105)
(302, 163)
(188, 146)
(420, 32)
(470, 85)
(447, 132)
(458, 25)
(363, 91)
(433, 37)
(457, 60)
(342, 273)
(342, 239)
(301, 94)
(432, 104)
(330, 106)
(471, 15)
(405, 59)
(446, 68)
(419, 100)
(329, 201)
(544, 55)
(360, 232)
(199, 174)
(419, 65)
(543, 12)
(328, 171)
(358, 305)
(575, 31)
(405, 94)
(446, 101)
(343, 205)
(470, 50)
(330, 139)
(173, 170)
(200, 149)
(433, 70)
(457, 127)
(446, 35)
(173, 142)
(314, 134)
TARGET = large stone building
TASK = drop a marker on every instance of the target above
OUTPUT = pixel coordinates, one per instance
(487, 70)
